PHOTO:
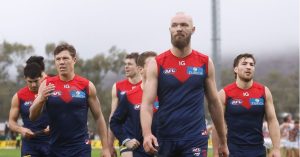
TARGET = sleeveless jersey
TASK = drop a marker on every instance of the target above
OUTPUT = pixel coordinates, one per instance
(181, 96)
(125, 122)
(244, 113)
(26, 97)
(124, 85)
(67, 107)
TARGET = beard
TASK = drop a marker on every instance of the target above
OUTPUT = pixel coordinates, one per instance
(246, 79)
(180, 42)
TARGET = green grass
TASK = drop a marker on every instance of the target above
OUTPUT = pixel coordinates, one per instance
(16, 153)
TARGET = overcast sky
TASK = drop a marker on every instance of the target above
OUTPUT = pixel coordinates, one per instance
(93, 26)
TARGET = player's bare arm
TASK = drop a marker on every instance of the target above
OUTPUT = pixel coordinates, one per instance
(13, 118)
(149, 95)
(215, 108)
(95, 107)
(114, 105)
(272, 124)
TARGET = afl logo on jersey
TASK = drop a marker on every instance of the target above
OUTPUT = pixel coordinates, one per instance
(236, 102)
(56, 93)
(137, 107)
(169, 71)
(77, 94)
(27, 103)
(257, 101)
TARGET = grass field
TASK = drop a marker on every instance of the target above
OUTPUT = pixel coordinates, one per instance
(16, 153)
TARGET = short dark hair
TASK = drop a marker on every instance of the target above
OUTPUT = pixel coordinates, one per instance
(133, 55)
(37, 59)
(142, 58)
(32, 70)
(65, 46)
(239, 57)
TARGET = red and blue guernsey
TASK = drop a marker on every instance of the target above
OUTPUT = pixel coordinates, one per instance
(67, 107)
(125, 122)
(244, 113)
(181, 96)
(124, 85)
(26, 97)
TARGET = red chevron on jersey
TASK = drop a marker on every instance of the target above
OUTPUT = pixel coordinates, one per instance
(244, 97)
(66, 90)
(124, 85)
(183, 68)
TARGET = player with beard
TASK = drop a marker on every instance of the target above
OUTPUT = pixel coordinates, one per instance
(246, 103)
(181, 77)
(133, 80)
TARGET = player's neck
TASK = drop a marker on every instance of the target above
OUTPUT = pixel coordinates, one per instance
(244, 84)
(181, 53)
(134, 80)
(67, 77)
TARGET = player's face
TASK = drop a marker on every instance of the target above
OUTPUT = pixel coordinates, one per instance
(245, 69)
(181, 31)
(131, 69)
(64, 63)
(33, 84)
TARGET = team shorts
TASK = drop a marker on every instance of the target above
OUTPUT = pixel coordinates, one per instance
(35, 150)
(183, 148)
(77, 151)
(246, 151)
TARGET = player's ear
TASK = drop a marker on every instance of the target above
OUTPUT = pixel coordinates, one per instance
(75, 59)
(235, 69)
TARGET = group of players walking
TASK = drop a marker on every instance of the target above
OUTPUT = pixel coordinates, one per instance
(158, 110)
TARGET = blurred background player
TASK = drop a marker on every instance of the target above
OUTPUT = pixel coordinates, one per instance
(125, 122)
(133, 79)
(35, 135)
(40, 61)
(246, 104)
(67, 98)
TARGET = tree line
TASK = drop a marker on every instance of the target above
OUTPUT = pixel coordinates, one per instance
(105, 68)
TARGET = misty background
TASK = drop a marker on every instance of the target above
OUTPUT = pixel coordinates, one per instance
(104, 31)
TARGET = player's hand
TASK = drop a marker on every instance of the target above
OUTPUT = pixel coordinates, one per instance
(112, 150)
(105, 152)
(27, 133)
(223, 150)
(274, 153)
(47, 91)
(132, 144)
(150, 144)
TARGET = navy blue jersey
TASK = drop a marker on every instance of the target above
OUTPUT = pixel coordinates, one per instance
(244, 113)
(26, 97)
(67, 107)
(125, 122)
(181, 96)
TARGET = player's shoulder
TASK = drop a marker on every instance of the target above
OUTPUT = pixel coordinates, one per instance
(199, 54)
(230, 86)
(24, 92)
(134, 91)
(124, 81)
(258, 85)
(163, 55)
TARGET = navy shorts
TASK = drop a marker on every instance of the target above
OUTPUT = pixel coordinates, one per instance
(35, 149)
(183, 148)
(82, 151)
(246, 151)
